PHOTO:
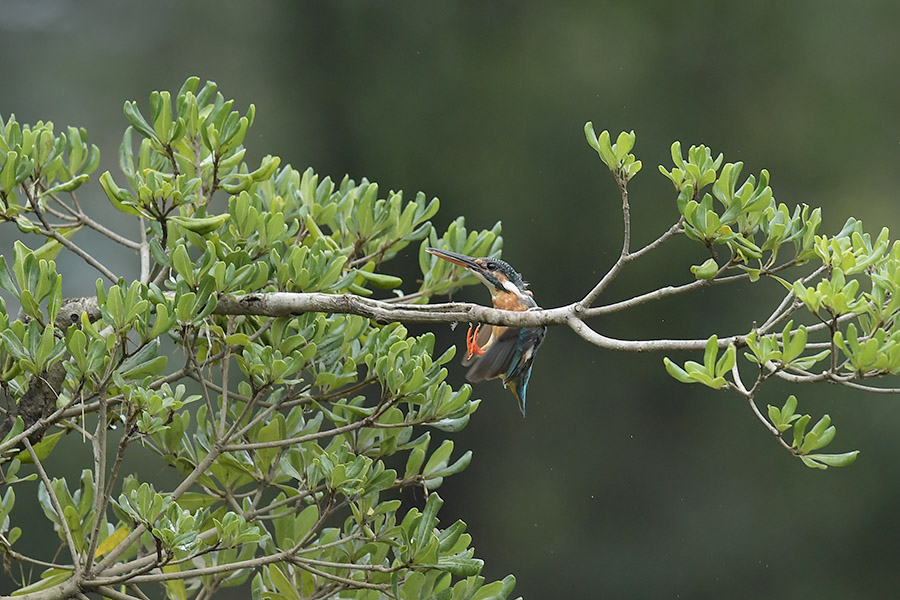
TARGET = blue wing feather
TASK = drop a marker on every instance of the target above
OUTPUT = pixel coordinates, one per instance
(509, 357)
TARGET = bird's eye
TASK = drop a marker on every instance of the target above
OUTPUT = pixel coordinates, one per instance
(491, 267)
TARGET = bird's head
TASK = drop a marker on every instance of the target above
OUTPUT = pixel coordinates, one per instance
(496, 274)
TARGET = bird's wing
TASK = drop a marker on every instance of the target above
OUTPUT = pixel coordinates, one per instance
(496, 357)
(505, 356)
(519, 387)
(510, 357)
(517, 379)
(530, 338)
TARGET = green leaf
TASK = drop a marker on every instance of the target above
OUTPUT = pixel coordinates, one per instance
(137, 120)
(51, 248)
(794, 346)
(790, 406)
(69, 186)
(49, 578)
(414, 462)
(8, 172)
(709, 356)
(624, 144)
(281, 582)
(429, 518)
(74, 523)
(175, 589)
(460, 464)
(460, 565)
(726, 362)
(800, 430)
(202, 225)
(813, 464)
(601, 144)
(6, 280)
(182, 264)
(439, 458)
(42, 449)
(305, 521)
(783, 418)
(834, 460)
(120, 199)
(677, 372)
(380, 280)
(707, 270)
(496, 590)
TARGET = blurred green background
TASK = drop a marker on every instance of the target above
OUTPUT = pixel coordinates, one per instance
(621, 483)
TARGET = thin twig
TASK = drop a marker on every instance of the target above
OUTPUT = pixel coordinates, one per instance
(382, 587)
(252, 563)
(226, 360)
(626, 215)
(349, 566)
(626, 258)
(114, 594)
(662, 345)
(866, 388)
(50, 232)
(70, 541)
(787, 306)
(137, 592)
(99, 228)
(144, 252)
(8, 551)
(366, 422)
(749, 395)
(99, 446)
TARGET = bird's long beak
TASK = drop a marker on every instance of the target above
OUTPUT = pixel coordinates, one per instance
(456, 258)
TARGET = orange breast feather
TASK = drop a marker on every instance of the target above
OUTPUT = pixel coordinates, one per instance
(508, 301)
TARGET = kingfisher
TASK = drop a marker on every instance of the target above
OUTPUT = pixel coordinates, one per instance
(498, 351)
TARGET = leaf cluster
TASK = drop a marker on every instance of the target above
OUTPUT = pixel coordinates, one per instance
(293, 435)
(850, 298)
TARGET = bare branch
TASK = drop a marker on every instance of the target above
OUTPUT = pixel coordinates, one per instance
(7, 549)
(70, 542)
(626, 215)
(99, 446)
(663, 292)
(383, 587)
(50, 232)
(144, 252)
(280, 304)
(598, 339)
(99, 228)
(115, 594)
(788, 305)
(626, 257)
(866, 388)
(750, 396)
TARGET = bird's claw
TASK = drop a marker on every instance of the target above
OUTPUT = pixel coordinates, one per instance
(472, 347)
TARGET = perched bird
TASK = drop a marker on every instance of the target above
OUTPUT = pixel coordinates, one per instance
(498, 351)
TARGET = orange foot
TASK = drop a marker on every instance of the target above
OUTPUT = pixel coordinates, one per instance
(472, 346)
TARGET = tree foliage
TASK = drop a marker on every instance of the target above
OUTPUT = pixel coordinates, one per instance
(298, 433)
(260, 352)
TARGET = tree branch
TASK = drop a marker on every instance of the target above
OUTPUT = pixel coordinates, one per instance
(663, 345)
(144, 252)
(70, 542)
(627, 256)
(281, 304)
(49, 231)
